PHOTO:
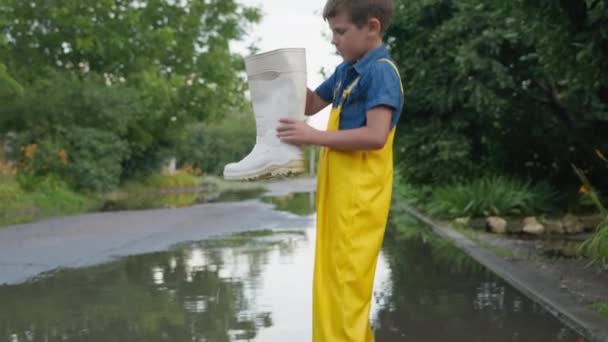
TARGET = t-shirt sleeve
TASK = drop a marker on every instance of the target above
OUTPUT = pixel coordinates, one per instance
(326, 89)
(384, 87)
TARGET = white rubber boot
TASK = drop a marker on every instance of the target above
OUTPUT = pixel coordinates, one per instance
(277, 83)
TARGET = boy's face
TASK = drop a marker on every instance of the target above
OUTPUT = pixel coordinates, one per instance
(352, 42)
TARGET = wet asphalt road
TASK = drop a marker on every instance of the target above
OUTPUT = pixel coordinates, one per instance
(30, 250)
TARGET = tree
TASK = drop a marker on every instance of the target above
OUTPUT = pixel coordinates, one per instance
(168, 63)
(9, 88)
(491, 88)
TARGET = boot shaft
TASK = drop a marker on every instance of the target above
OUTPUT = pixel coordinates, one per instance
(277, 84)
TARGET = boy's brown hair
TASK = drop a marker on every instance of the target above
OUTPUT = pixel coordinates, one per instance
(360, 11)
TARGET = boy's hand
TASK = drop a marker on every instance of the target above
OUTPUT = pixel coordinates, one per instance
(296, 132)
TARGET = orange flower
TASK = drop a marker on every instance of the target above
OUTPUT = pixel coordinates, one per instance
(29, 150)
(7, 169)
(583, 190)
(63, 155)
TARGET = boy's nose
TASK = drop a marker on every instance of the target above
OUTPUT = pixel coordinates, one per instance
(334, 40)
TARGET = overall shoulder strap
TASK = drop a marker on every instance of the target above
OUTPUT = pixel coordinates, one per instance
(391, 63)
(348, 90)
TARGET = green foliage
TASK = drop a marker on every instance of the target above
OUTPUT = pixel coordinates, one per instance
(53, 196)
(58, 100)
(9, 190)
(446, 154)
(490, 195)
(517, 94)
(212, 146)
(405, 192)
(16, 206)
(186, 42)
(179, 180)
(95, 159)
(296, 203)
(597, 246)
(84, 118)
(9, 88)
(602, 308)
(30, 197)
(132, 76)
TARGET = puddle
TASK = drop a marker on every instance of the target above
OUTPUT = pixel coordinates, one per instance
(256, 286)
(302, 203)
(178, 199)
(231, 196)
(151, 201)
(438, 293)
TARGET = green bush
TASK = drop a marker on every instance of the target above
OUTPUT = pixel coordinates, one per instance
(491, 195)
(9, 189)
(73, 127)
(55, 197)
(179, 180)
(27, 197)
(602, 308)
(404, 192)
(433, 154)
(15, 206)
(212, 146)
(95, 159)
(595, 247)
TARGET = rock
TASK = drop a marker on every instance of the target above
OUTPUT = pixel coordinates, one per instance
(532, 226)
(462, 221)
(590, 222)
(572, 225)
(496, 225)
(555, 227)
(514, 226)
(478, 224)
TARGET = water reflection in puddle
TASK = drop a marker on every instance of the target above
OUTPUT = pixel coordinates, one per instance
(297, 203)
(257, 287)
(302, 203)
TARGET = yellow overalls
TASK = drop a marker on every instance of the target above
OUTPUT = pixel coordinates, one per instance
(353, 199)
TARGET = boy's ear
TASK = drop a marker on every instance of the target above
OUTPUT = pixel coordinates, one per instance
(375, 26)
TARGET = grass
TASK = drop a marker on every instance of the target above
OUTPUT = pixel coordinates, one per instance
(50, 197)
(597, 246)
(602, 308)
(490, 195)
(178, 180)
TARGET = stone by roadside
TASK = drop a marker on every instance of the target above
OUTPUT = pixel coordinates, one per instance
(540, 268)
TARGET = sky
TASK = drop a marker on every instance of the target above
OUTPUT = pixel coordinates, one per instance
(299, 24)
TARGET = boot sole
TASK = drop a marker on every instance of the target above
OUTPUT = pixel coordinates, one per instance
(290, 169)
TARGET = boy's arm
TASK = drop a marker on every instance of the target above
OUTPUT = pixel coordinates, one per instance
(373, 136)
(314, 103)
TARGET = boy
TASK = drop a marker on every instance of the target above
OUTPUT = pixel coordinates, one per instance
(355, 169)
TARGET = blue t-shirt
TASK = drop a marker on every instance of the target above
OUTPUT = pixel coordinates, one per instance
(379, 85)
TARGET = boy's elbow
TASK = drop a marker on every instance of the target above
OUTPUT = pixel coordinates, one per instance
(378, 144)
